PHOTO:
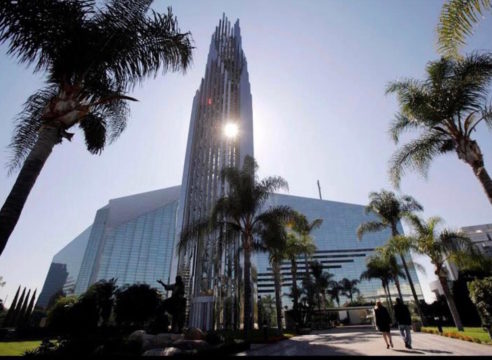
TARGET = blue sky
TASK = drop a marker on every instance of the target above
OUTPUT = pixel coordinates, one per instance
(318, 70)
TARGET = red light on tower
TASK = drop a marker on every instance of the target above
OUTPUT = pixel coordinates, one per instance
(209, 101)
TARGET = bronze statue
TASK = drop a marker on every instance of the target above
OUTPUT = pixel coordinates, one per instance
(176, 304)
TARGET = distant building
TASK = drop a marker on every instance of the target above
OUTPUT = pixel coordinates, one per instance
(131, 240)
(338, 249)
(64, 268)
(57, 275)
(481, 235)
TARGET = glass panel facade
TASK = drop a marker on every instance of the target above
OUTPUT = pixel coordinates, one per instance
(339, 250)
(140, 251)
(132, 240)
(64, 268)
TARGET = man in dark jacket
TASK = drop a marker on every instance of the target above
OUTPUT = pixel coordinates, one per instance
(404, 320)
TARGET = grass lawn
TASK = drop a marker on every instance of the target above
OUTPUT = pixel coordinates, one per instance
(473, 332)
(17, 348)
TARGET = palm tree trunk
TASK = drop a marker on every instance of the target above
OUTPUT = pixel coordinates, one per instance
(248, 313)
(390, 304)
(278, 295)
(237, 296)
(12, 208)
(469, 151)
(306, 264)
(294, 288)
(485, 180)
(395, 232)
(397, 284)
(451, 304)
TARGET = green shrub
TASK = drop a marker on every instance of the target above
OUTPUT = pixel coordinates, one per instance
(136, 304)
(58, 316)
(481, 295)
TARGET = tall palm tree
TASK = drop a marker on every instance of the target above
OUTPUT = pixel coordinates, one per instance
(242, 210)
(334, 290)
(321, 282)
(390, 209)
(296, 246)
(303, 228)
(440, 247)
(445, 109)
(378, 267)
(273, 239)
(91, 56)
(456, 23)
(349, 288)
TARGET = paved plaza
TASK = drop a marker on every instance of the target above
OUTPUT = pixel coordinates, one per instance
(367, 341)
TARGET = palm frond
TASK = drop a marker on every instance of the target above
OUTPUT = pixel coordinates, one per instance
(416, 155)
(370, 226)
(315, 224)
(417, 223)
(469, 84)
(37, 29)
(409, 204)
(94, 127)
(457, 241)
(28, 123)
(399, 244)
(400, 124)
(456, 23)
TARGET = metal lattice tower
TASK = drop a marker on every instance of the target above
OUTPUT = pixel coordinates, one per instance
(208, 266)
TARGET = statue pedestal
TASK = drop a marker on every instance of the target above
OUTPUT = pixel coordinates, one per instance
(202, 312)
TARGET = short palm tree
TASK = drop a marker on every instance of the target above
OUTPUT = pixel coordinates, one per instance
(445, 109)
(395, 269)
(349, 288)
(303, 228)
(390, 209)
(378, 267)
(440, 248)
(242, 210)
(297, 246)
(456, 23)
(92, 57)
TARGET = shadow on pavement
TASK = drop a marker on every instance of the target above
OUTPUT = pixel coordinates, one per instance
(348, 339)
(297, 348)
(410, 351)
(432, 351)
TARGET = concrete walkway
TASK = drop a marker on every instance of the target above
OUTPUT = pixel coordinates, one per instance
(367, 341)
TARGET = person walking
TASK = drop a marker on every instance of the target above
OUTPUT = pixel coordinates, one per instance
(383, 322)
(404, 320)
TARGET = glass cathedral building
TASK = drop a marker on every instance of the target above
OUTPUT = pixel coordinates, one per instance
(133, 239)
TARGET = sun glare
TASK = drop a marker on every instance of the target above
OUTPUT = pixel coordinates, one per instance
(231, 130)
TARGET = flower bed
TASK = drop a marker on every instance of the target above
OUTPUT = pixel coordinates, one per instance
(468, 335)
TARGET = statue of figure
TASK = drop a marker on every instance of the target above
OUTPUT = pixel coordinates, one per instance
(176, 304)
